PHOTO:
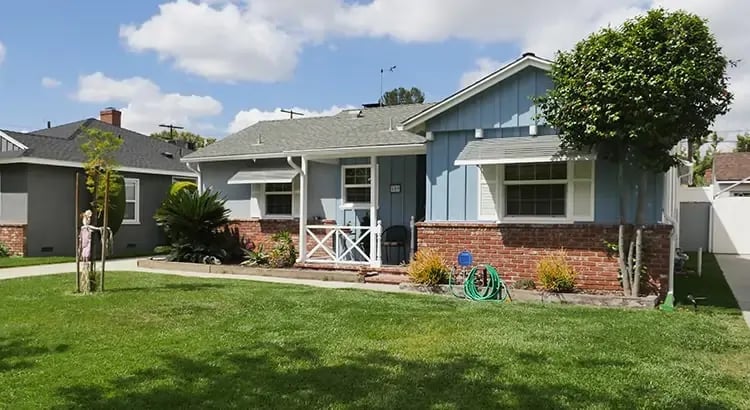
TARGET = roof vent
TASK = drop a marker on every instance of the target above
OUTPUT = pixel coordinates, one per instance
(260, 140)
(167, 154)
(528, 54)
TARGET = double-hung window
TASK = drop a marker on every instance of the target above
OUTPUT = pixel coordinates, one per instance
(278, 199)
(132, 201)
(357, 184)
(536, 189)
(542, 192)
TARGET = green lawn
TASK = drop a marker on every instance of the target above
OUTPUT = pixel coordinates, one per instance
(156, 341)
(16, 261)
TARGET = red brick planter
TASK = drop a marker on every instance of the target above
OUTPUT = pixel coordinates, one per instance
(515, 249)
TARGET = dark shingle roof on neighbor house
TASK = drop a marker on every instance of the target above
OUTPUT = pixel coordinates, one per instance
(366, 127)
(63, 143)
(731, 166)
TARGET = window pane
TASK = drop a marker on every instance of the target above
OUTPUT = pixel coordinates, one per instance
(279, 187)
(536, 172)
(129, 211)
(357, 176)
(130, 191)
(535, 200)
(357, 195)
(558, 170)
(279, 204)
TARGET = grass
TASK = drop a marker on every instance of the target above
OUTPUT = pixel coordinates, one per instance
(158, 341)
(710, 288)
(18, 261)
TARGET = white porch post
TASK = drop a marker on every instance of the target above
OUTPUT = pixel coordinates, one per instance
(303, 211)
(374, 186)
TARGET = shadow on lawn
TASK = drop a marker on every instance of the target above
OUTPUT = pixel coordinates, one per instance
(188, 287)
(711, 288)
(16, 353)
(276, 377)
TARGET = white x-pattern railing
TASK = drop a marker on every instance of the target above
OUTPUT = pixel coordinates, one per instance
(344, 244)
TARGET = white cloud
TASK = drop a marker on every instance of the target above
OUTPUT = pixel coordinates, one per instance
(2, 52)
(145, 105)
(223, 43)
(49, 82)
(483, 67)
(246, 118)
(261, 40)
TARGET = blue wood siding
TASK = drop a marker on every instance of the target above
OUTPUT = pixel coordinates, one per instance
(507, 110)
(607, 197)
(506, 105)
(451, 189)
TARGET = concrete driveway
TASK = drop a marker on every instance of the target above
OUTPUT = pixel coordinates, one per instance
(736, 270)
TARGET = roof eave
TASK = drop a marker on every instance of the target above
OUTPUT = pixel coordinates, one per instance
(342, 152)
(483, 84)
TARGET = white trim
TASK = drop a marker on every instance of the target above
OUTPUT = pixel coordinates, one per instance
(356, 205)
(506, 161)
(73, 164)
(136, 201)
(476, 88)
(313, 154)
(13, 141)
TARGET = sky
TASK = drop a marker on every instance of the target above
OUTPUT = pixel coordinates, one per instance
(217, 66)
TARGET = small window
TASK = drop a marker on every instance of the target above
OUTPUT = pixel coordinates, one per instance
(279, 199)
(357, 185)
(741, 194)
(132, 201)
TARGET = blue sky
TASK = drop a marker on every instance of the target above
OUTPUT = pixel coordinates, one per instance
(221, 64)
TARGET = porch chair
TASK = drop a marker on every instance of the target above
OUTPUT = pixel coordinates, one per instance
(395, 236)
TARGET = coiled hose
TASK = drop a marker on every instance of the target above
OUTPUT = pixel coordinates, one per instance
(492, 291)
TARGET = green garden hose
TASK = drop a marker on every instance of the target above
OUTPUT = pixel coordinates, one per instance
(492, 291)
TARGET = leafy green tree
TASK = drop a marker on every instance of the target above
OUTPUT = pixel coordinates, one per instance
(632, 93)
(100, 149)
(401, 95)
(195, 139)
(743, 143)
(702, 163)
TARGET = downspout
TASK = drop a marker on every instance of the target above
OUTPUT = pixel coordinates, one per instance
(198, 171)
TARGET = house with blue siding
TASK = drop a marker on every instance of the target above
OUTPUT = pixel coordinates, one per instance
(478, 171)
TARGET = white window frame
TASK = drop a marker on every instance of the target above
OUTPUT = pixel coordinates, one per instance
(266, 194)
(136, 201)
(569, 196)
(344, 186)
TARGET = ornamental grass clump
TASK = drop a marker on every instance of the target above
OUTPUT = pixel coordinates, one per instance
(555, 274)
(428, 268)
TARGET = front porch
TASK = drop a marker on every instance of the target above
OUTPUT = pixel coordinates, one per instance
(326, 203)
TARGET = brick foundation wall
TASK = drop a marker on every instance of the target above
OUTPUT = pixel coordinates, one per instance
(260, 231)
(517, 249)
(14, 237)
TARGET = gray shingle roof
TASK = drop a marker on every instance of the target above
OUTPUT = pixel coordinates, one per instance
(347, 129)
(62, 143)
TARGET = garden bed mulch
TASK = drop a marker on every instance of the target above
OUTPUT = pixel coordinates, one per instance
(518, 295)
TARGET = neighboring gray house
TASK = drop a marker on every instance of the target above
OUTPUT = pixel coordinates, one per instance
(37, 185)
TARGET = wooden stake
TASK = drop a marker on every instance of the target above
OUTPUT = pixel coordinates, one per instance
(78, 239)
(105, 233)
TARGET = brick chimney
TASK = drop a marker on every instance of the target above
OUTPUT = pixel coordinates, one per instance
(111, 116)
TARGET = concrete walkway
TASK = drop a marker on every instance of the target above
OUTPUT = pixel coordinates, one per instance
(131, 265)
(736, 270)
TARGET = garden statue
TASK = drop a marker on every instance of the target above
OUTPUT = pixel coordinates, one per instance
(85, 251)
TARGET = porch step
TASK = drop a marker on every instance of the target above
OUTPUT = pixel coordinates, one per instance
(387, 278)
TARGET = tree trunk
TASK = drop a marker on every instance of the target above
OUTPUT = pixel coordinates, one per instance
(624, 272)
(639, 222)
